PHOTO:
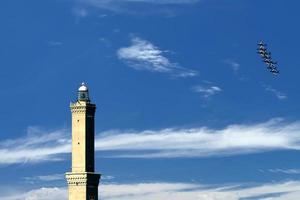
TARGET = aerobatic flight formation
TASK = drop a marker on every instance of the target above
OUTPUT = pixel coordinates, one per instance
(266, 57)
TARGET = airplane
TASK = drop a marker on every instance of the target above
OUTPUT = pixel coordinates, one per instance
(269, 61)
(267, 55)
(274, 69)
(261, 43)
(270, 67)
(275, 72)
(262, 51)
(263, 48)
(264, 55)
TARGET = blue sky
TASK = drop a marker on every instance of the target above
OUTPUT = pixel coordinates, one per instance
(185, 107)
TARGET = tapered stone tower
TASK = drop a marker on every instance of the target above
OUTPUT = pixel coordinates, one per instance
(83, 181)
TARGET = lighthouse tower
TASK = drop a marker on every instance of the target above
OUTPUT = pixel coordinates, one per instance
(82, 180)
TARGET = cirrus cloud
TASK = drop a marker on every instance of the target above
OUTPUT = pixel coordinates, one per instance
(279, 95)
(166, 143)
(207, 91)
(160, 190)
(143, 55)
(137, 6)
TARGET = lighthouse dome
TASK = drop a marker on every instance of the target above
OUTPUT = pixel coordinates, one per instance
(83, 88)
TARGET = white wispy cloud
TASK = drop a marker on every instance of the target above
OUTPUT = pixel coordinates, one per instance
(38, 194)
(280, 95)
(159, 191)
(120, 6)
(37, 146)
(80, 12)
(102, 2)
(55, 43)
(166, 143)
(207, 91)
(107, 177)
(198, 142)
(235, 66)
(143, 55)
(105, 41)
(285, 171)
(51, 177)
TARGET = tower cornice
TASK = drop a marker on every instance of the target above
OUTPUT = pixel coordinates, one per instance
(81, 107)
(83, 179)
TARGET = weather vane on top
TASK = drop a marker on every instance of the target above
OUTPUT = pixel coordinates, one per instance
(266, 57)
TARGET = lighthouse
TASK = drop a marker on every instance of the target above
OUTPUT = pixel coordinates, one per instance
(82, 180)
